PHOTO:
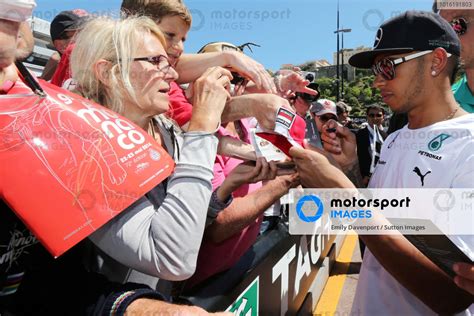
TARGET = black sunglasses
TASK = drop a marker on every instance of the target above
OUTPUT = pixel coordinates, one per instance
(161, 62)
(459, 25)
(307, 97)
(372, 115)
(325, 118)
(386, 66)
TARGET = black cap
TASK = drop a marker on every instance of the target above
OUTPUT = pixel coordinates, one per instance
(410, 31)
(67, 21)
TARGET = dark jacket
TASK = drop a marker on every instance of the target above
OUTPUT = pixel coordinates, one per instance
(41, 285)
(363, 150)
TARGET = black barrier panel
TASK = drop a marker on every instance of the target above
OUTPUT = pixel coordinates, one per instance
(279, 267)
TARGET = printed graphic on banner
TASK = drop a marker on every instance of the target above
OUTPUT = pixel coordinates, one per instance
(383, 211)
(67, 165)
(247, 302)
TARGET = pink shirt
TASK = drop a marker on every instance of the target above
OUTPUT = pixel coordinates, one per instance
(216, 257)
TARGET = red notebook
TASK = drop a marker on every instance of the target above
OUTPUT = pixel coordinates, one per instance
(68, 166)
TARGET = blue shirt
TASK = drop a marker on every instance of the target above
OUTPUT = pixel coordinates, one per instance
(463, 95)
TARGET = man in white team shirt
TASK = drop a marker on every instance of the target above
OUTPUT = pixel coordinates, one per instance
(414, 57)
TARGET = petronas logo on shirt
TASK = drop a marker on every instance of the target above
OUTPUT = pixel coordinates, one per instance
(436, 143)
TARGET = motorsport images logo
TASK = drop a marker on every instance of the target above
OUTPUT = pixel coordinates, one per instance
(345, 208)
(316, 204)
(380, 211)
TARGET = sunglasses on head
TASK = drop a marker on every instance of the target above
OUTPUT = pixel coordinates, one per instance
(161, 62)
(459, 25)
(307, 97)
(372, 115)
(386, 66)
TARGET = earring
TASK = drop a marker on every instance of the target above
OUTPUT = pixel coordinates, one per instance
(433, 73)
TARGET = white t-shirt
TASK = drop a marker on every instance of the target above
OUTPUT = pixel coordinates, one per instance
(437, 156)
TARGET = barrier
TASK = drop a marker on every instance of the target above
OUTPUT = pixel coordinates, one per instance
(279, 275)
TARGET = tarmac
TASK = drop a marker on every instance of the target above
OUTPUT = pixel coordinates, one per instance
(339, 291)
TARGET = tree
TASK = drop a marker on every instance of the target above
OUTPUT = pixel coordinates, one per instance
(307, 66)
(358, 93)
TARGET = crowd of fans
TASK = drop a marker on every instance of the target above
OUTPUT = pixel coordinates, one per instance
(204, 109)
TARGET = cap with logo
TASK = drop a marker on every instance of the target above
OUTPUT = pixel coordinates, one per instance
(289, 131)
(410, 31)
(16, 10)
(67, 21)
(323, 106)
(343, 107)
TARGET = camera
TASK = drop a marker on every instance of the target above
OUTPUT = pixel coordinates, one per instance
(236, 78)
(308, 75)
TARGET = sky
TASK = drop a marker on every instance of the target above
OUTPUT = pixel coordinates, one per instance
(289, 32)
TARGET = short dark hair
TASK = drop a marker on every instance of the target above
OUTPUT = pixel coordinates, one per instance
(341, 107)
(374, 107)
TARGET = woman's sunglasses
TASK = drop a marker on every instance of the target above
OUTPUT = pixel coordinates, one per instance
(372, 115)
(459, 25)
(386, 66)
(161, 62)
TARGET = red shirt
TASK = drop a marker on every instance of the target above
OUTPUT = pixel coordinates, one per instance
(63, 71)
(180, 108)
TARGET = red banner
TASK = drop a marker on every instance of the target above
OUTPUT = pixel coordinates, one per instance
(67, 165)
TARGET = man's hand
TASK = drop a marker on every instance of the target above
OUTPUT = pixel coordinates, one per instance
(465, 276)
(292, 81)
(262, 106)
(289, 181)
(316, 171)
(247, 172)
(235, 148)
(147, 306)
(266, 107)
(340, 142)
(249, 68)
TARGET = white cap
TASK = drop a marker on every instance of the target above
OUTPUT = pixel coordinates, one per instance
(16, 10)
(323, 106)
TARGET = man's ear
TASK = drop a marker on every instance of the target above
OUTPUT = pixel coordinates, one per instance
(102, 71)
(439, 61)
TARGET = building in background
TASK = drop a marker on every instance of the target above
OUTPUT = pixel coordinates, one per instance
(43, 47)
(348, 53)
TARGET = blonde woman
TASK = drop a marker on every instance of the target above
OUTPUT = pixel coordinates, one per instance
(123, 65)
